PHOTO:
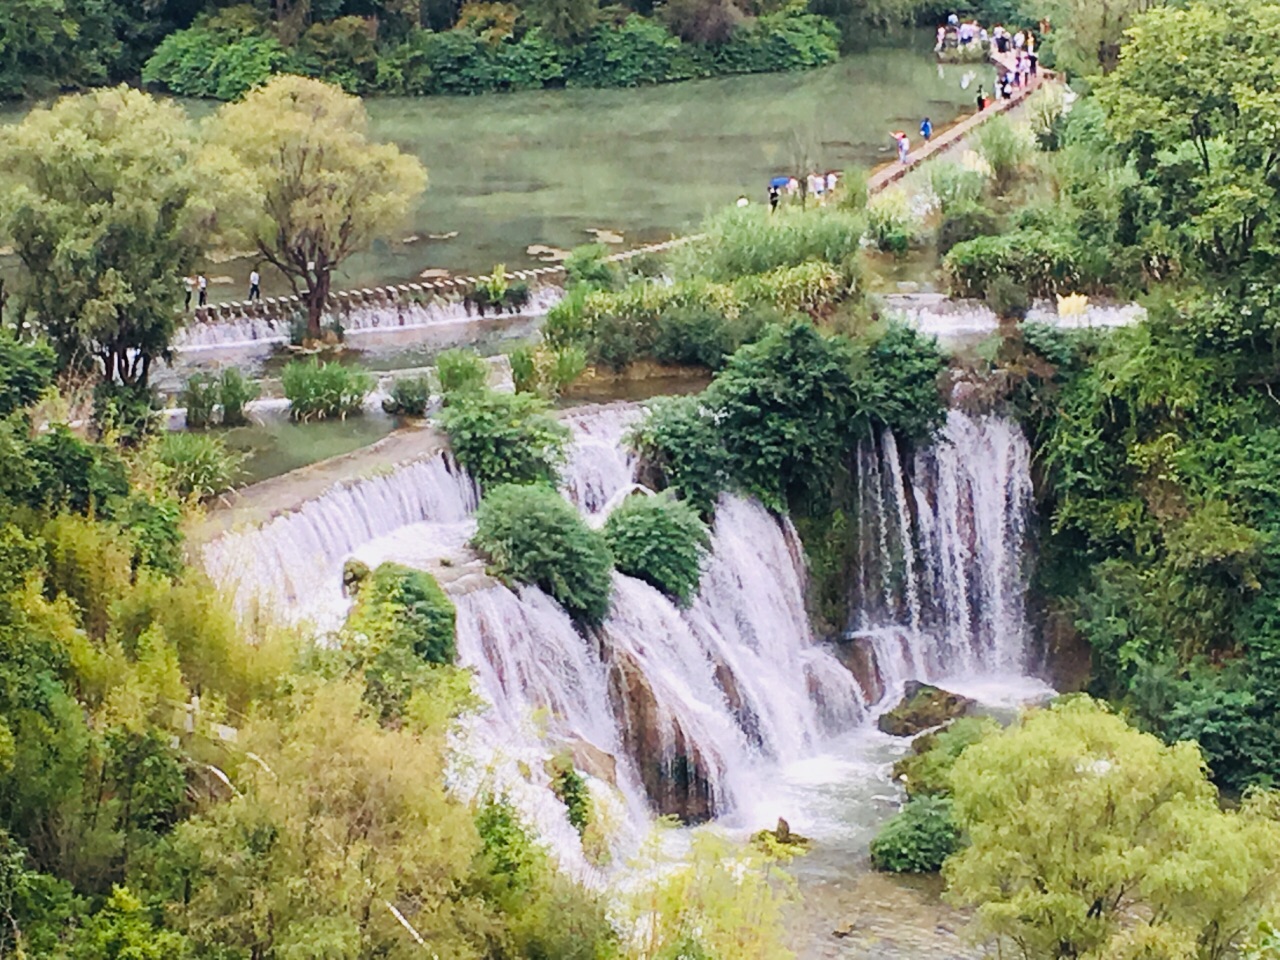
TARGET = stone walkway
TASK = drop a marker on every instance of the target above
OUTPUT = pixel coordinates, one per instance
(892, 172)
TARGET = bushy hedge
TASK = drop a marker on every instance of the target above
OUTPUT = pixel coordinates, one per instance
(222, 59)
(918, 839)
(401, 620)
(504, 437)
(777, 420)
(661, 541)
(320, 391)
(1045, 263)
(533, 535)
(689, 321)
(404, 607)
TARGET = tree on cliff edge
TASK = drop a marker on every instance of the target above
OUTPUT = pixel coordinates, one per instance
(309, 188)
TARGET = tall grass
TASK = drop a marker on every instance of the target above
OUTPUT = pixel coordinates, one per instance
(320, 391)
(741, 241)
(195, 465)
(1006, 148)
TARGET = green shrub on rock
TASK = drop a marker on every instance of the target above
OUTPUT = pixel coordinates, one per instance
(926, 770)
(504, 437)
(461, 371)
(660, 540)
(403, 621)
(680, 450)
(533, 535)
(918, 839)
(409, 397)
(1045, 263)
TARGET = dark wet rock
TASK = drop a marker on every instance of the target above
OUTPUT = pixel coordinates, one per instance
(858, 656)
(742, 712)
(671, 767)
(782, 834)
(923, 706)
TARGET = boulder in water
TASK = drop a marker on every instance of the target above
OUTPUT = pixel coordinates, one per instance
(858, 656)
(670, 764)
(923, 706)
(782, 834)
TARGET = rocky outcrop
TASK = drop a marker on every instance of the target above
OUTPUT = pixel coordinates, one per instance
(747, 718)
(922, 707)
(670, 765)
(858, 656)
(590, 759)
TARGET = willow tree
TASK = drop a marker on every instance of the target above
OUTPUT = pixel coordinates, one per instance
(102, 197)
(309, 187)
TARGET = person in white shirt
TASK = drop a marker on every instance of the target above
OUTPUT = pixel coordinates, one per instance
(189, 286)
(1019, 39)
(202, 285)
(254, 292)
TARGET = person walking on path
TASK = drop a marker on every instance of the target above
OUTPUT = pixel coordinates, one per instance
(926, 130)
(904, 146)
(774, 196)
(189, 286)
(202, 285)
(982, 99)
(255, 293)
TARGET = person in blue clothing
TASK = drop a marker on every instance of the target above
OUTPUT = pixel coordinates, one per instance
(926, 130)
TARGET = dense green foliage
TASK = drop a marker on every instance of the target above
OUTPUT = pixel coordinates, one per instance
(747, 269)
(918, 838)
(319, 390)
(780, 419)
(533, 535)
(660, 540)
(504, 437)
(165, 771)
(401, 623)
(1087, 838)
(224, 55)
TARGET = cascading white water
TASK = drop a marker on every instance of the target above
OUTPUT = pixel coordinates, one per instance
(246, 330)
(599, 466)
(689, 710)
(942, 586)
(293, 563)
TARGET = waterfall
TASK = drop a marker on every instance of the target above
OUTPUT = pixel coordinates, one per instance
(599, 467)
(684, 710)
(941, 586)
(293, 563)
(248, 330)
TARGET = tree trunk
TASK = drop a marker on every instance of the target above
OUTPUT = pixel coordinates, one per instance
(317, 297)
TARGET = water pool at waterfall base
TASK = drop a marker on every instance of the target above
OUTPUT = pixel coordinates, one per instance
(729, 710)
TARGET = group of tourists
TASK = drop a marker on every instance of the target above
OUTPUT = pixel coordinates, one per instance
(199, 286)
(816, 185)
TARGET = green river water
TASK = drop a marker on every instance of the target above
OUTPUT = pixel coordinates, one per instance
(510, 170)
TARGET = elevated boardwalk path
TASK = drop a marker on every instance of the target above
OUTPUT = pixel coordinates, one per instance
(455, 288)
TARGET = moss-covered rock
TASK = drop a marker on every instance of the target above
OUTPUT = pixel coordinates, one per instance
(923, 706)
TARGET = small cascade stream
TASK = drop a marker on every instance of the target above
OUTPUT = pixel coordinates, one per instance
(246, 330)
(690, 711)
(942, 548)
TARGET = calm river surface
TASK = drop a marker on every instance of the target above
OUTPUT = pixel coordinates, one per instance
(510, 170)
